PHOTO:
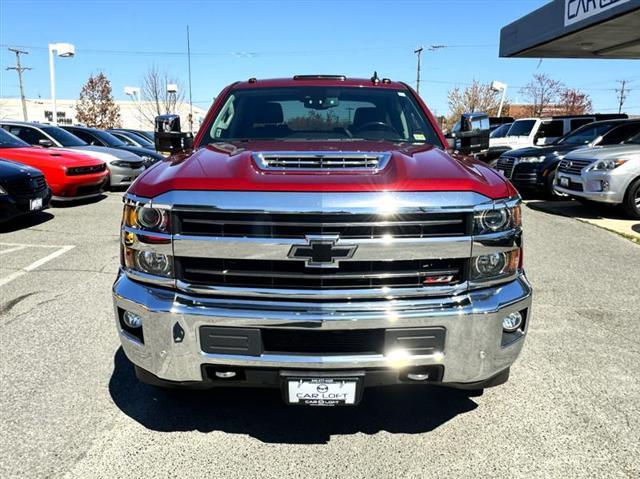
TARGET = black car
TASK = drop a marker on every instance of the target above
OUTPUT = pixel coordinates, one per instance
(23, 190)
(132, 139)
(96, 137)
(534, 168)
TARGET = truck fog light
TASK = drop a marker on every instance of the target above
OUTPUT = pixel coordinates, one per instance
(512, 322)
(131, 319)
(153, 263)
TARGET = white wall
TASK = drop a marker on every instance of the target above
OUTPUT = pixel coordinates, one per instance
(40, 110)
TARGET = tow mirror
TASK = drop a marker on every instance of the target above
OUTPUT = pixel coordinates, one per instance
(472, 137)
(168, 135)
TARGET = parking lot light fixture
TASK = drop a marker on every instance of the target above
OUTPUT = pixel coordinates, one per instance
(64, 50)
(500, 87)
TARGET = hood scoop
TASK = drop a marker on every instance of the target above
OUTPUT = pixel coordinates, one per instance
(321, 161)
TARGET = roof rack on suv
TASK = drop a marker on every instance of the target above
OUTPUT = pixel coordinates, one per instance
(320, 77)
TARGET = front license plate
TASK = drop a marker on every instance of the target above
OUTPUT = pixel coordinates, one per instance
(322, 391)
(564, 181)
(35, 204)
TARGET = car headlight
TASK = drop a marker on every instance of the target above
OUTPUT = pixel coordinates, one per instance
(498, 219)
(3, 191)
(604, 165)
(149, 262)
(147, 218)
(494, 265)
(148, 160)
(531, 159)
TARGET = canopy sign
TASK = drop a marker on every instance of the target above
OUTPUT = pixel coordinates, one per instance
(578, 10)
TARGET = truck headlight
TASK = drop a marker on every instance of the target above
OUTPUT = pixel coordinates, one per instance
(494, 265)
(147, 218)
(496, 220)
(148, 262)
(604, 165)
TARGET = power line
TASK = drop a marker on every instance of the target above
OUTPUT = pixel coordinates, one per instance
(19, 68)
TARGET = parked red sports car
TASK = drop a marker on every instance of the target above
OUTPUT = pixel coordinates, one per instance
(70, 175)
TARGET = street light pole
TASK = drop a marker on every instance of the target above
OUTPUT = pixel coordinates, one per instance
(497, 87)
(64, 50)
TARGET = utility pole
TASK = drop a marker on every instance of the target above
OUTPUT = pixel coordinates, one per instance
(418, 52)
(19, 68)
(622, 94)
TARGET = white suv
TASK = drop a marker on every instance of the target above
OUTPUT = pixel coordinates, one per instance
(527, 132)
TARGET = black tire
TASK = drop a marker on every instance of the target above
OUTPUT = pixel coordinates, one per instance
(631, 203)
(550, 192)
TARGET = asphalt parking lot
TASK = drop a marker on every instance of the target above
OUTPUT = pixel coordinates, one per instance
(71, 407)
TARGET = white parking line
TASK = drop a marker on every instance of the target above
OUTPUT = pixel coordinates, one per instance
(11, 250)
(36, 264)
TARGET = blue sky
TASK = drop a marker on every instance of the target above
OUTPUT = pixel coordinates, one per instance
(232, 40)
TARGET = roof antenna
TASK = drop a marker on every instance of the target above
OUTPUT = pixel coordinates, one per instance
(374, 79)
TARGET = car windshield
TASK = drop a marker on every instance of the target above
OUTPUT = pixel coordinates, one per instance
(108, 138)
(63, 136)
(501, 131)
(521, 128)
(586, 134)
(319, 113)
(7, 140)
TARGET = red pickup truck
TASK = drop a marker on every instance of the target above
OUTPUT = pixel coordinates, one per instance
(318, 235)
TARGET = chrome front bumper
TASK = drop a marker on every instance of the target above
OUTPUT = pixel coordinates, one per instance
(475, 346)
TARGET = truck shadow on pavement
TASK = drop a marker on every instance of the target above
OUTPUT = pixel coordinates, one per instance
(262, 414)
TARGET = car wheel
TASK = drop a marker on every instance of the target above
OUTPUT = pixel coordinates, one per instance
(632, 200)
(551, 193)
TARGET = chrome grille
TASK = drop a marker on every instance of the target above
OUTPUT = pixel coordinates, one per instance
(296, 275)
(314, 161)
(507, 165)
(264, 225)
(573, 167)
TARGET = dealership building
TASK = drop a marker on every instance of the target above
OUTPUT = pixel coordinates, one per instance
(131, 113)
(576, 29)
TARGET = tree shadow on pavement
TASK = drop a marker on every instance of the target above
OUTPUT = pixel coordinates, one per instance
(262, 414)
(26, 221)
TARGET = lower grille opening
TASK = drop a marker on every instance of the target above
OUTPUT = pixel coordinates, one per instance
(370, 341)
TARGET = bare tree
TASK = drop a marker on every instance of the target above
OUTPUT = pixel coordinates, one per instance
(95, 107)
(477, 97)
(574, 102)
(542, 93)
(155, 99)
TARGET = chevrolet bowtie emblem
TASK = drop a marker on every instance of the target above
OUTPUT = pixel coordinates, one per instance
(322, 251)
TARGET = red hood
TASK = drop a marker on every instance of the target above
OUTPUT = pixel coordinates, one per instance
(32, 155)
(230, 167)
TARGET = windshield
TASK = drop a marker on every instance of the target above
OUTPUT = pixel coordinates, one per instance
(521, 127)
(586, 134)
(501, 131)
(108, 138)
(319, 113)
(63, 137)
(7, 140)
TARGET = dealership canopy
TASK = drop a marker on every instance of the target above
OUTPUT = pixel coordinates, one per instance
(575, 29)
